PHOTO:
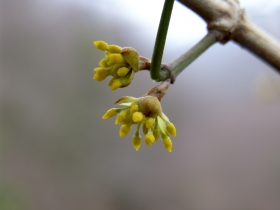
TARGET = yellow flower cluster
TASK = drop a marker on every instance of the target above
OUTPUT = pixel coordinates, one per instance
(145, 111)
(120, 63)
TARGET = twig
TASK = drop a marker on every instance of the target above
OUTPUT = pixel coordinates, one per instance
(160, 40)
(227, 20)
(178, 65)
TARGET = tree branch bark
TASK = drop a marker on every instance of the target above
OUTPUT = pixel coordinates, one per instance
(227, 20)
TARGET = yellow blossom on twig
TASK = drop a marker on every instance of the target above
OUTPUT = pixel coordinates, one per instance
(145, 111)
(120, 63)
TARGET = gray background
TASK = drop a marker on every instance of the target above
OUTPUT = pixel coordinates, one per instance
(57, 153)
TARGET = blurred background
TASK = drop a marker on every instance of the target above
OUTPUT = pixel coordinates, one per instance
(57, 153)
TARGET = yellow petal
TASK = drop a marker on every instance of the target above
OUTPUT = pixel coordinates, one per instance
(149, 139)
(128, 79)
(144, 129)
(124, 130)
(97, 69)
(101, 45)
(136, 141)
(167, 143)
(115, 69)
(137, 116)
(156, 133)
(114, 48)
(100, 74)
(134, 108)
(111, 81)
(114, 59)
(150, 122)
(121, 117)
(103, 62)
(127, 120)
(116, 84)
(171, 129)
(109, 113)
(123, 71)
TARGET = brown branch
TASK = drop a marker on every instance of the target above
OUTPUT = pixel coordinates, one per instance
(258, 42)
(159, 90)
(227, 20)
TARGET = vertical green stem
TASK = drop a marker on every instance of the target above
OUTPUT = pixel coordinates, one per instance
(160, 39)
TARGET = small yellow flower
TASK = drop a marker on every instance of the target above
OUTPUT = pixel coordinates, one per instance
(156, 133)
(136, 141)
(134, 108)
(116, 84)
(167, 143)
(120, 63)
(149, 122)
(149, 139)
(101, 45)
(137, 116)
(110, 113)
(124, 130)
(171, 129)
(145, 111)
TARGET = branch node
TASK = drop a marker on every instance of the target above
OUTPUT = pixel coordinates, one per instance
(171, 75)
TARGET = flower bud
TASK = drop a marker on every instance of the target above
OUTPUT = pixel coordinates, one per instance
(156, 133)
(116, 84)
(127, 120)
(150, 122)
(127, 79)
(100, 74)
(122, 71)
(167, 143)
(114, 59)
(110, 113)
(103, 62)
(131, 56)
(133, 108)
(149, 139)
(149, 106)
(101, 45)
(144, 129)
(124, 130)
(136, 141)
(121, 117)
(137, 116)
(171, 129)
(114, 48)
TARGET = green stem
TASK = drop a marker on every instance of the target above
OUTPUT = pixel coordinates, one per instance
(160, 39)
(178, 65)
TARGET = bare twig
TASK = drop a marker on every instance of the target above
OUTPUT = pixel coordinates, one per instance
(258, 42)
(179, 64)
(159, 90)
(227, 21)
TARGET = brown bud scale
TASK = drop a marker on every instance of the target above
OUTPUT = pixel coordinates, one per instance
(149, 106)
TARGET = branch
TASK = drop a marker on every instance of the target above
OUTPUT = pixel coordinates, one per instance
(258, 42)
(178, 65)
(227, 21)
(160, 39)
(173, 69)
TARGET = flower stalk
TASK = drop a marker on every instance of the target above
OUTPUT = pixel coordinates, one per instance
(160, 40)
(178, 65)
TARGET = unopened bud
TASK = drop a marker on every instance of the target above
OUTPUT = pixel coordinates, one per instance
(130, 55)
(149, 106)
